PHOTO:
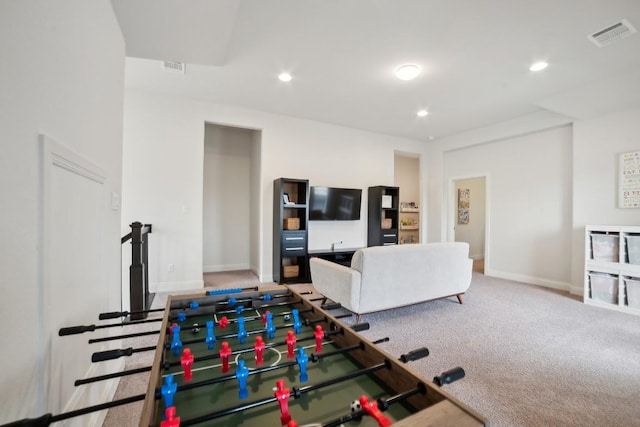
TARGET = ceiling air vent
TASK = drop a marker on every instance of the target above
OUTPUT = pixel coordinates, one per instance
(613, 33)
(174, 67)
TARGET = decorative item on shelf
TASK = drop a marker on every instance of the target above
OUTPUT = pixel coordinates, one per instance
(286, 200)
(409, 205)
(407, 240)
(292, 223)
(291, 271)
(387, 201)
(386, 223)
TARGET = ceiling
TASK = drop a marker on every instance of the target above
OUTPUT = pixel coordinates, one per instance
(474, 55)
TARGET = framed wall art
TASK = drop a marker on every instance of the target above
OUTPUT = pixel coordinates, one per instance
(463, 206)
(629, 180)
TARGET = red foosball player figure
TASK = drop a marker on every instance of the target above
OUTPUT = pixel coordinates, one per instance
(373, 411)
(172, 420)
(259, 348)
(225, 354)
(319, 334)
(187, 362)
(291, 342)
(223, 323)
(264, 317)
(292, 424)
(282, 394)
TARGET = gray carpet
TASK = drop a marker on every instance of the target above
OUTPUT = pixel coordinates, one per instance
(533, 356)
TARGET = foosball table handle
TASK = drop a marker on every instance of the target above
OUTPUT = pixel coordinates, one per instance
(449, 376)
(73, 330)
(360, 327)
(111, 354)
(112, 315)
(42, 421)
(415, 355)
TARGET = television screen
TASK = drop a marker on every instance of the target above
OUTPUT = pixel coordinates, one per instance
(334, 204)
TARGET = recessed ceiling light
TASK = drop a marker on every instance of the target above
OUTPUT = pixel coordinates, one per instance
(407, 72)
(538, 66)
(422, 113)
(285, 77)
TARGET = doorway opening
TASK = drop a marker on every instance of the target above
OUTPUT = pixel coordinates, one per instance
(231, 203)
(469, 219)
(407, 178)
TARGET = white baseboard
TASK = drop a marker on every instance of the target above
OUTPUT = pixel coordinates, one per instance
(176, 286)
(94, 394)
(553, 284)
(476, 257)
(576, 290)
(226, 267)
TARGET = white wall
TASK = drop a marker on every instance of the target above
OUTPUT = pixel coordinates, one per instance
(474, 231)
(529, 202)
(597, 144)
(64, 77)
(228, 164)
(170, 131)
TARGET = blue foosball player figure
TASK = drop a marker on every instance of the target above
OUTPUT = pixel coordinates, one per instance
(168, 390)
(242, 332)
(271, 328)
(211, 338)
(302, 360)
(297, 324)
(241, 375)
(176, 344)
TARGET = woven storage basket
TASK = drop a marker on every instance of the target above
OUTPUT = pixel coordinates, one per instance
(292, 223)
(386, 223)
(291, 271)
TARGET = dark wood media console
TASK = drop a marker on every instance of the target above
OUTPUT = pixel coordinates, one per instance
(339, 256)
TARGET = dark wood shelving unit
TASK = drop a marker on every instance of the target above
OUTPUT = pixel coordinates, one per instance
(290, 241)
(383, 206)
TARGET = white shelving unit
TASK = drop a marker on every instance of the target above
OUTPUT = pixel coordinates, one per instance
(617, 269)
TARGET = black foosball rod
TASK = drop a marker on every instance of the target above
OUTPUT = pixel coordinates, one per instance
(313, 358)
(48, 419)
(102, 356)
(73, 330)
(117, 314)
(116, 354)
(211, 357)
(142, 334)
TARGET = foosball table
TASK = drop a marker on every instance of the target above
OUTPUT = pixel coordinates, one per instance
(270, 356)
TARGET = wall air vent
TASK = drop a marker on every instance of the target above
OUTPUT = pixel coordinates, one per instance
(612, 33)
(174, 67)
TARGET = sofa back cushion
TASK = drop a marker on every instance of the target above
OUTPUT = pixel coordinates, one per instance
(405, 274)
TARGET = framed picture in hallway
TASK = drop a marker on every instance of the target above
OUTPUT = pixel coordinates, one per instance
(463, 206)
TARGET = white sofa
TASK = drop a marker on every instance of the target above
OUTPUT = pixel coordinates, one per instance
(384, 277)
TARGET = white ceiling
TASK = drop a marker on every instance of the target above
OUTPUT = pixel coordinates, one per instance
(475, 57)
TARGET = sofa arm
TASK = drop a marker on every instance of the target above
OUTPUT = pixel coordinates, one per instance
(336, 282)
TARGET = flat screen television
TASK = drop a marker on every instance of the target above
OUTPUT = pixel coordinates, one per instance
(334, 204)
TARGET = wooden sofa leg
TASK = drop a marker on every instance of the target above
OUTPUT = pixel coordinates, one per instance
(459, 298)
